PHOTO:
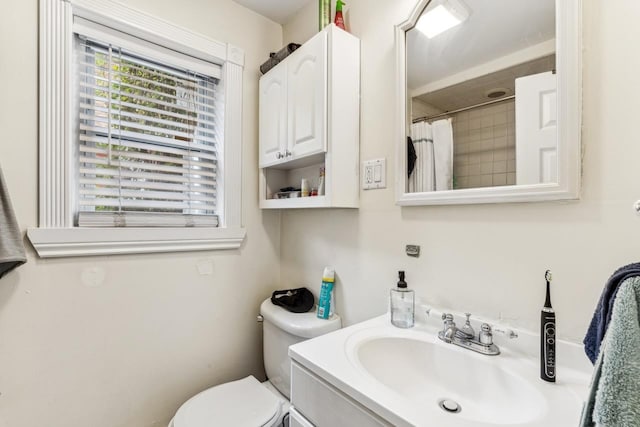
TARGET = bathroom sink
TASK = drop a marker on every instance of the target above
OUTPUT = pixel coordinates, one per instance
(409, 378)
(427, 372)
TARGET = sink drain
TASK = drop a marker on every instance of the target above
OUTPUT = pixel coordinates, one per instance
(450, 406)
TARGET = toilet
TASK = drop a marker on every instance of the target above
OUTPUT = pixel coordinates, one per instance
(247, 402)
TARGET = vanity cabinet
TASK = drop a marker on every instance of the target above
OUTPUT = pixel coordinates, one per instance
(309, 120)
(318, 404)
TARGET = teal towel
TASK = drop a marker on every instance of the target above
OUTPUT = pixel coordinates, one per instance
(614, 398)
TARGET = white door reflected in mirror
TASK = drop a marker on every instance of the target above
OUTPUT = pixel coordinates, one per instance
(536, 129)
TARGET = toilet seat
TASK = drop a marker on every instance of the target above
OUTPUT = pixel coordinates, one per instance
(242, 403)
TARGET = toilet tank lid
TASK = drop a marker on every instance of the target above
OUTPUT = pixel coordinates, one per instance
(303, 325)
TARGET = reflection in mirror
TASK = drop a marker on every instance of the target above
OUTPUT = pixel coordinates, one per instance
(481, 89)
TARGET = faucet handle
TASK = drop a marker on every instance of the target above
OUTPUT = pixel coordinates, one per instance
(485, 336)
(449, 328)
(447, 317)
(448, 321)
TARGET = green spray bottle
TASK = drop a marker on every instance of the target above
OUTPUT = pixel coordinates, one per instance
(324, 14)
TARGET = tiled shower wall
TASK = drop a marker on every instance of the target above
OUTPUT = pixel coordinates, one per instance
(484, 149)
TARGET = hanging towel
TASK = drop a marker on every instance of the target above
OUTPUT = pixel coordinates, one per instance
(11, 248)
(443, 154)
(602, 315)
(411, 157)
(424, 174)
(614, 398)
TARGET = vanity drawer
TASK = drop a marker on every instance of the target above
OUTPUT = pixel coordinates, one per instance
(297, 420)
(324, 405)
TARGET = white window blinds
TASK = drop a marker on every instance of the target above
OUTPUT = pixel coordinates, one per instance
(150, 136)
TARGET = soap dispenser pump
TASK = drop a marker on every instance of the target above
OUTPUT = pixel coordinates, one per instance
(402, 301)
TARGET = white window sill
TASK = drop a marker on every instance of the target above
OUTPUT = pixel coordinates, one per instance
(72, 242)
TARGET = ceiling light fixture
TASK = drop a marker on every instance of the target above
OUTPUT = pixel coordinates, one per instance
(446, 15)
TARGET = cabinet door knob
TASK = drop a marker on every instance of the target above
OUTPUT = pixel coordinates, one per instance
(288, 153)
(279, 155)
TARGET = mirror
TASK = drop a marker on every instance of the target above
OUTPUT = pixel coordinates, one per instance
(489, 100)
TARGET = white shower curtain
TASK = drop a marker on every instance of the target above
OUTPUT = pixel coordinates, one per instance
(422, 178)
(434, 151)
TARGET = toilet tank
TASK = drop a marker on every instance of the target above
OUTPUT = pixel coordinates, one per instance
(281, 329)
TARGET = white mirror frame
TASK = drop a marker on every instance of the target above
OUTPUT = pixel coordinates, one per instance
(569, 74)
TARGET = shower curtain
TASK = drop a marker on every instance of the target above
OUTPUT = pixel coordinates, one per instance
(434, 150)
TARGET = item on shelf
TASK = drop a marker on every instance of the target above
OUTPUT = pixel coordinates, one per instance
(304, 187)
(339, 19)
(276, 57)
(314, 191)
(324, 14)
(321, 182)
(292, 194)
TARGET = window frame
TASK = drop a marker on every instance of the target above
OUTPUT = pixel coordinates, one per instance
(56, 235)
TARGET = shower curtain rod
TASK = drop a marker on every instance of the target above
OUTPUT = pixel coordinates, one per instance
(459, 110)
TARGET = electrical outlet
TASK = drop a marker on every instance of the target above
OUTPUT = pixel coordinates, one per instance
(374, 174)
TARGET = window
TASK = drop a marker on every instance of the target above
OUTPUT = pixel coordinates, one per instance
(136, 153)
(148, 140)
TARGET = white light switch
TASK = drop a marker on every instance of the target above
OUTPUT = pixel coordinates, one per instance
(374, 174)
(377, 173)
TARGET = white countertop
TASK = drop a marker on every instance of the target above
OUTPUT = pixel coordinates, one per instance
(331, 357)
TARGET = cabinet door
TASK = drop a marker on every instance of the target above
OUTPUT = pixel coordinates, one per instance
(322, 405)
(307, 98)
(273, 116)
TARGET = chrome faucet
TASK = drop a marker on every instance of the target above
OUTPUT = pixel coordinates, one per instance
(467, 330)
(465, 337)
(449, 329)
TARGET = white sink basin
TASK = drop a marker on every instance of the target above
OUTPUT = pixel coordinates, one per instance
(428, 373)
(403, 375)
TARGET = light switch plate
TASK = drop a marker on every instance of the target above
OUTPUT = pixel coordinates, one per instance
(374, 174)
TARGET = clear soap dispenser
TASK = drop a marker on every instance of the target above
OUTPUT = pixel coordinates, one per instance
(402, 304)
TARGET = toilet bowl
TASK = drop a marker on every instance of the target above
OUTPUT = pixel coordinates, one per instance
(244, 402)
(247, 402)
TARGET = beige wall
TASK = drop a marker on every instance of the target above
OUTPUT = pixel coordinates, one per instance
(127, 353)
(582, 242)
(303, 25)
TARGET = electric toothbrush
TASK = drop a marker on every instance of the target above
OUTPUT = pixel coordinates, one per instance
(548, 336)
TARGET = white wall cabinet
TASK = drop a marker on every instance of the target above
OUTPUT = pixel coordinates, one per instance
(307, 98)
(310, 119)
(293, 105)
(273, 115)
